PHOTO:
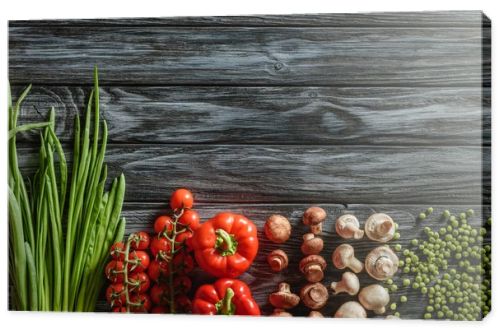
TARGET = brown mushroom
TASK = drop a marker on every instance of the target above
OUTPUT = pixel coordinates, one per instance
(314, 218)
(311, 244)
(277, 229)
(381, 263)
(314, 295)
(347, 226)
(343, 257)
(380, 227)
(312, 267)
(349, 283)
(278, 260)
(351, 310)
(284, 298)
(315, 314)
(278, 312)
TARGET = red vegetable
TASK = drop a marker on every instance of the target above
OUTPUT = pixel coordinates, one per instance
(190, 218)
(226, 245)
(163, 224)
(143, 303)
(181, 199)
(225, 296)
(157, 269)
(140, 241)
(160, 247)
(115, 295)
(115, 271)
(139, 282)
(117, 251)
(138, 261)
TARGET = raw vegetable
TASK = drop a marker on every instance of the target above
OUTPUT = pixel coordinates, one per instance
(226, 245)
(130, 283)
(226, 296)
(450, 267)
(59, 237)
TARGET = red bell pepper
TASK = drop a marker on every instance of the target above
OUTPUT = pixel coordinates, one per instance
(226, 245)
(226, 296)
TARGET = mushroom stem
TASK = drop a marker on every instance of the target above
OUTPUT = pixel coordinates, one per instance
(314, 273)
(356, 232)
(317, 228)
(384, 227)
(355, 265)
(380, 310)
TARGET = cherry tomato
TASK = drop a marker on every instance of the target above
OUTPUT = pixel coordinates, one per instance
(140, 261)
(143, 300)
(140, 241)
(115, 271)
(117, 251)
(181, 199)
(190, 218)
(160, 245)
(120, 309)
(182, 239)
(139, 282)
(159, 294)
(182, 283)
(159, 309)
(163, 224)
(115, 295)
(183, 303)
(157, 269)
(183, 263)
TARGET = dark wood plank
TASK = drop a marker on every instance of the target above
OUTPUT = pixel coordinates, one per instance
(292, 173)
(276, 115)
(140, 216)
(247, 56)
(392, 19)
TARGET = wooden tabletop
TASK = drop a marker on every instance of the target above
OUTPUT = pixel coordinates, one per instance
(357, 113)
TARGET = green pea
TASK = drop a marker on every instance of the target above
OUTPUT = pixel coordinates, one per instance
(423, 290)
(462, 215)
(414, 242)
(394, 288)
(393, 306)
(397, 247)
(403, 299)
(396, 236)
(389, 281)
(429, 211)
(397, 314)
(446, 214)
(422, 216)
(427, 316)
(406, 282)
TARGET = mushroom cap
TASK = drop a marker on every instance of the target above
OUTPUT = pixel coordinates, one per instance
(311, 244)
(284, 298)
(374, 297)
(381, 263)
(313, 267)
(347, 226)
(351, 310)
(341, 255)
(314, 215)
(380, 227)
(278, 260)
(349, 283)
(280, 313)
(277, 229)
(315, 314)
(314, 295)
(312, 260)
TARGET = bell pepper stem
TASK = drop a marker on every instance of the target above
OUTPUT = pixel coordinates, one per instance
(225, 243)
(226, 305)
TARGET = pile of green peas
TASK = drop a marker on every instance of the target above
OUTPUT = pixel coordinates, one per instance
(450, 267)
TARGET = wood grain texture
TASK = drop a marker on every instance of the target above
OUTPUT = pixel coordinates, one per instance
(294, 173)
(247, 56)
(140, 216)
(380, 19)
(273, 115)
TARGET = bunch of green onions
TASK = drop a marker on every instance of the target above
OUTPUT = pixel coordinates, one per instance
(451, 267)
(59, 240)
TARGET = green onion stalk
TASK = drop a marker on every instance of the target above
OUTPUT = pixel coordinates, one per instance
(62, 225)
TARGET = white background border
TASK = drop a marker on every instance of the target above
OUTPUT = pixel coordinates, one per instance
(164, 324)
